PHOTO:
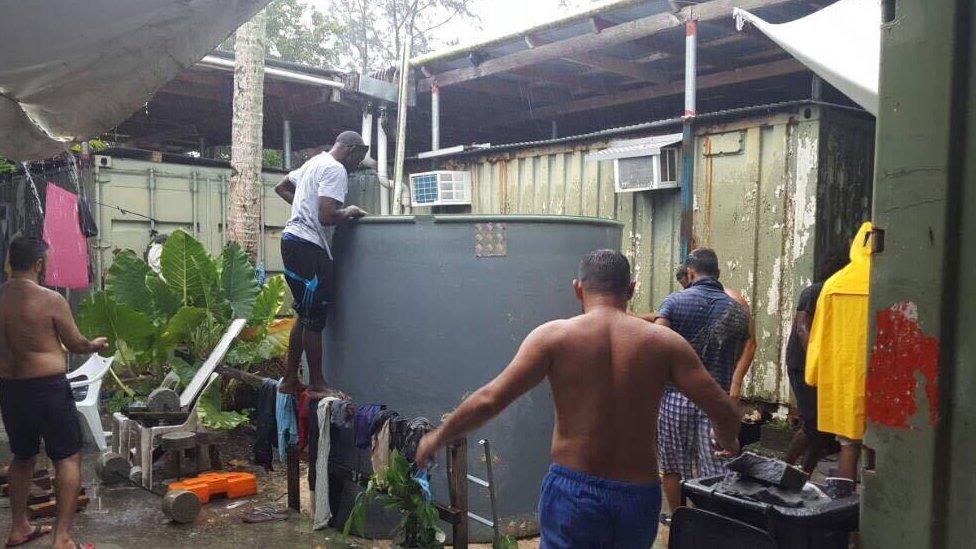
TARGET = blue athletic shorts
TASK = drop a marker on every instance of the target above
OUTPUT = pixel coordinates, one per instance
(578, 510)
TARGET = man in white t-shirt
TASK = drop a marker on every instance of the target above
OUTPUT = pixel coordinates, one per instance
(316, 192)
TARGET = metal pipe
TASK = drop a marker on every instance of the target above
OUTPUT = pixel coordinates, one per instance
(691, 43)
(286, 138)
(214, 62)
(193, 205)
(555, 129)
(152, 199)
(367, 132)
(491, 490)
(401, 137)
(816, 88)
(688, 140)
(382, 168)
(435, 117)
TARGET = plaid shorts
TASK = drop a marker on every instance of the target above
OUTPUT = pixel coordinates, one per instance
(684, 439)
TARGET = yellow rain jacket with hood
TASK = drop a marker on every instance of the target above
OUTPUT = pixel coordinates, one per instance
(837, 349)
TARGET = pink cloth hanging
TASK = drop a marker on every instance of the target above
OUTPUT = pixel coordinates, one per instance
(67, 258)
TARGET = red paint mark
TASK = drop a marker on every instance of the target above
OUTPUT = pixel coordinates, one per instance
(900, 350)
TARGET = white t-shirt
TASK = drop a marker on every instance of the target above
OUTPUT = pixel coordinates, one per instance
(322, 175)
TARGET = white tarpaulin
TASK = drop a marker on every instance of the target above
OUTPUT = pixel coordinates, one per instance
(70, 70)
(840, 43)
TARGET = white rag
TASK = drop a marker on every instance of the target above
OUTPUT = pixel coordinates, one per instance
(321, 512)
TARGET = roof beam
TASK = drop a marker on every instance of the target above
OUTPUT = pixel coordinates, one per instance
(617, 34)
(755, 72)
(619, 66)
(574, 83)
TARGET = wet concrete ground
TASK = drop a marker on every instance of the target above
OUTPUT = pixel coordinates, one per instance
(126, 516)
(129, 517)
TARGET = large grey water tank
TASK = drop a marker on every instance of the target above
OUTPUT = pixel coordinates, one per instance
(429, 308)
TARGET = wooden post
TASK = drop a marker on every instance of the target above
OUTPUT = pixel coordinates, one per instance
(457, 481)
(294, 490)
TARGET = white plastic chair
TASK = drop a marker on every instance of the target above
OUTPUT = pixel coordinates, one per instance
(90, 375)
(126, 428)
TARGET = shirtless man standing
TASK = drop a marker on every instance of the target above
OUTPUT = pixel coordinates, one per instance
(607, 370)
(35, 399)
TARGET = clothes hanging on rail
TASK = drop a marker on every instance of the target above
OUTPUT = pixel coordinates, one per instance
(265, 422)
(321, 510)
(363, 422)
(67, 258)
(287, 423)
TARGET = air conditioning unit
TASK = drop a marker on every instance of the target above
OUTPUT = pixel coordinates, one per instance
(440, 188)
(647, 173)
(644, 164)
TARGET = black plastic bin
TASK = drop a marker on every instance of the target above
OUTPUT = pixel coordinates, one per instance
(827, 525)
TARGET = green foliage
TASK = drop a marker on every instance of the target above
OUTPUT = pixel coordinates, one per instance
(7, 166)
(272, 158)
(188, 271)
(165, 303)
(297, 31)
(268, 303)
(397, 489)
(126, 281)
(237, 281)
(130, 333)
(211, 415)
(172, 321)
(94, 145)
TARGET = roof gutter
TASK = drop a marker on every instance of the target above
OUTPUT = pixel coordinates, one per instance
(214, 62)
(654, 125)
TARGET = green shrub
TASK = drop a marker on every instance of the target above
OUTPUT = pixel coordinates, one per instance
(156, 323)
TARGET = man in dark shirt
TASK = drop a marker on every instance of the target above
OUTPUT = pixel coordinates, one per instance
(808, 443)
(716, 327)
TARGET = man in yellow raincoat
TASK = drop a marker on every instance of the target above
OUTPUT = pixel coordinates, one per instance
(837, 352)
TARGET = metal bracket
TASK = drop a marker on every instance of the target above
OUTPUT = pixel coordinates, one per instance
(877, 237)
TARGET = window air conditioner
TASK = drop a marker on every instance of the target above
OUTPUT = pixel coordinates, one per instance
(440, 188)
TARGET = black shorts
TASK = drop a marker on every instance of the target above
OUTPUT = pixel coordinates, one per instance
(308, 271)
(806, 401)
(36, 408)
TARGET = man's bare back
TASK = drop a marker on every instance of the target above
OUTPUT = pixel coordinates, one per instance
(607, 371)
(35, 327)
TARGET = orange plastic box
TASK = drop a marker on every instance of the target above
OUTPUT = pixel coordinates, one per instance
(208, 485)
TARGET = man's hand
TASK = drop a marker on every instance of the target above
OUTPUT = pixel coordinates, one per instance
(426, 449)
(99, 344)
(355, 212)
(726, 453)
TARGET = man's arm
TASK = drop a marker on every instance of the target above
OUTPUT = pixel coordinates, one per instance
(331, 212)
(691, 378)
(747, 355)
(286, 190)
(527, 369)
(803, 320)
(68, 333)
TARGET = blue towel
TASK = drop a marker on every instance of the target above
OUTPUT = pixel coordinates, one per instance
(423, 479)
(287, 422)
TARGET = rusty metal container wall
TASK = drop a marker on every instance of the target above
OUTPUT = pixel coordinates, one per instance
(759, 184)
(755, 196)
(177, 196)
(432, 307)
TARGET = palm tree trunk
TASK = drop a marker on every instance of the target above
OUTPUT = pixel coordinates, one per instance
(244, 217)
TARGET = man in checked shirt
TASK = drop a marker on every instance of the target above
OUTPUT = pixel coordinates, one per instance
(717, 328)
